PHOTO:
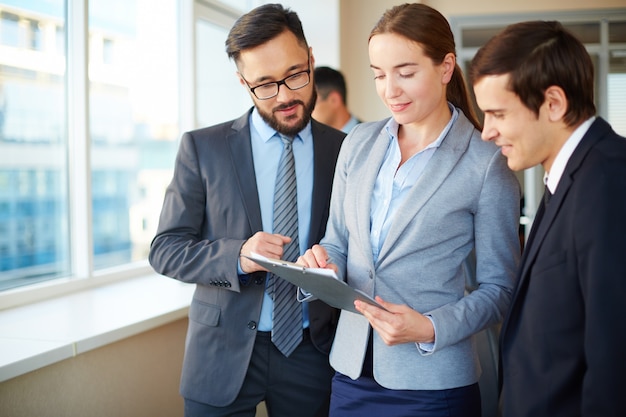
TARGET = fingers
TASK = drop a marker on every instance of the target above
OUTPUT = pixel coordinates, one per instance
(265, 244)
(316, 257)
(399, 324)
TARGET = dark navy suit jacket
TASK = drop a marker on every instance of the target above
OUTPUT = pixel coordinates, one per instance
(563, 341)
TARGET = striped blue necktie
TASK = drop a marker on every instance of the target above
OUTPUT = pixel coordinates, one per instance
(287, 315)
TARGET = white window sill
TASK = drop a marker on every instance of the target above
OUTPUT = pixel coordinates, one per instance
(42, 333)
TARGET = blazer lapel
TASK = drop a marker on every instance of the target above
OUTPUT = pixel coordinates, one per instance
(366, 185)
(437, 170)
(596, 131)
(243, 167)
(322, 182)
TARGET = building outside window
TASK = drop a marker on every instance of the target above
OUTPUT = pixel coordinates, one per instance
(132, 133)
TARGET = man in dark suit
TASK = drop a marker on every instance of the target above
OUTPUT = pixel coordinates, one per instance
(563, 339)
(220, 206)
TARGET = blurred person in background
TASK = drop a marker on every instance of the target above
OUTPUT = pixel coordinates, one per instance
(331, 107)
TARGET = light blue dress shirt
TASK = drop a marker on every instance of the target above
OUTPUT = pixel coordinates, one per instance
(350, 124)
(267, 148)
(394, 183)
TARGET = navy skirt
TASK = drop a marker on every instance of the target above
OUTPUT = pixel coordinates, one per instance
(364, 397)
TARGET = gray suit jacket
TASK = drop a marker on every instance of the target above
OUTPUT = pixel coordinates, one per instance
(466, 199)
(211, 207)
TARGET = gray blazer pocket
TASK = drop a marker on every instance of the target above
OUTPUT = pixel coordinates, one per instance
(203, 313)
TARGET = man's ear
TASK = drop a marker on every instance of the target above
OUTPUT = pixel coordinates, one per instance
(556, 103)
(241, 80)
(334, 97)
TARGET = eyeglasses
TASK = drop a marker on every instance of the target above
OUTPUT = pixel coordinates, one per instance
(293, 82)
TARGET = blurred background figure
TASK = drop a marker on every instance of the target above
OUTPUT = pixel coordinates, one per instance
(331, 107)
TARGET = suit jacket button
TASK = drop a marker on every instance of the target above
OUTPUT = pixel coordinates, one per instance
(371, 274)
(252, 325)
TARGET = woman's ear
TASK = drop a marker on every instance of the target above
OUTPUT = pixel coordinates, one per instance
(448, 65)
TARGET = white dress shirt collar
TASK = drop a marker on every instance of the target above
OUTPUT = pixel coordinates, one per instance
(552, 178)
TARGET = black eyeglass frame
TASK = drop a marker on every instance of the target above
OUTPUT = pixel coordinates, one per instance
(281, 82)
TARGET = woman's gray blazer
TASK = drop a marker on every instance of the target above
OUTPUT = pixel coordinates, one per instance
(466, 199)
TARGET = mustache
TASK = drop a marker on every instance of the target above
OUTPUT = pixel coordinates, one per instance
(287, 105)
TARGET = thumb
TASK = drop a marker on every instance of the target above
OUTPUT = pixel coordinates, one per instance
(285, 239)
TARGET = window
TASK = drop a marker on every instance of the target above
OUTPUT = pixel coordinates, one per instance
(133, 101)
(33, 145)
(92, 105)
(90, 100)
(129, 132)
(215, 73)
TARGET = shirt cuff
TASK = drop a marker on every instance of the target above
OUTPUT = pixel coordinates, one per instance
(244, 279)
(430, 346)
(303, 295)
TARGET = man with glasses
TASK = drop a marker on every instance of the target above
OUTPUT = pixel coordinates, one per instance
(221, 205)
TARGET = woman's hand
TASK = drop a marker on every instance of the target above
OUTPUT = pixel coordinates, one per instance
(399, 324)
(316, 257)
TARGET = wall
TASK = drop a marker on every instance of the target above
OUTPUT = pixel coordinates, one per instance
(136, 377)
(358, 17)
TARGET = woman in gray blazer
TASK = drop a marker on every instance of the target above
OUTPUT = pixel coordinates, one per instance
(413, 196)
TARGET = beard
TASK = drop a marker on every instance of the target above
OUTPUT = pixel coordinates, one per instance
(290, 130)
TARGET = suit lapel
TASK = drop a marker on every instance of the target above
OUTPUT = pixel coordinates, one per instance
(322, 181)
(436, 171)
(596, 132)
(243, 169)
(365, 189)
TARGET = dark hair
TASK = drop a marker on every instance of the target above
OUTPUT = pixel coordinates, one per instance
(261, 25)
(426, 26)
(328, 80)
(538, 55)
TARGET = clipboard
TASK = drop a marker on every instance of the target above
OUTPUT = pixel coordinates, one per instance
(321, 282)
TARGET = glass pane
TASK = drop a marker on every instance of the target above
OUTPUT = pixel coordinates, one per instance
(133, 92)
(585, 32)
(595, 59)
(477, 37)
(219, 95)
(617, 90)
(617, 32)
(34, 238)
